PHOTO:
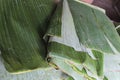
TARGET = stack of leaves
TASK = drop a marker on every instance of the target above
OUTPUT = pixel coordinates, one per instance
(79, 38)
(86, 36)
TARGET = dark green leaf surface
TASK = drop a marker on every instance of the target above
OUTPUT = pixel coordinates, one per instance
(54, 28)
(22, 26)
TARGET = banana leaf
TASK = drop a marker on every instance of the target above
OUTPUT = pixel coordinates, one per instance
(86, 36)
(81, 39)
(112, 67)
(45, 74)
(22, 26)
(96, 26)
(118, 29)
(76, 64)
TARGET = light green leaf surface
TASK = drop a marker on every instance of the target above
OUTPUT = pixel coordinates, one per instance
(72, 62)
(45, 74)
(94, 28)
(112, 67)
(113, 75)
(84, 29)
(118, 29)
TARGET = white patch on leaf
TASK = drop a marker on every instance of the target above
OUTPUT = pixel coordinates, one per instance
(112, 47)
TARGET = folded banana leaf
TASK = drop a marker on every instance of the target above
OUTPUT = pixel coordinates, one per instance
(97, 28)
(81, 38)
(22, 26)
(44, 74)
(79, 65)
(86, 36)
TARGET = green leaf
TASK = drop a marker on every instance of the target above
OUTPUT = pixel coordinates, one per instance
(72, 62)
(44, 74)
(118, 29)
(54, 27)
(85, 37)
(93, 28)
(22, 26)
